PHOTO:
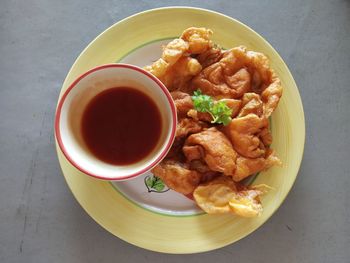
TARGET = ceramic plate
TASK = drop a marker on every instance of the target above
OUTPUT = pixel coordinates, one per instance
(142, 211)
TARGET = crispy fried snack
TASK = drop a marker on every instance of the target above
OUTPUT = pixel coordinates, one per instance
(251, 103)
(199, 116)
(222, 195)
(209, 160)
(179, 75)
(183, 103)
(172, 52)
(234, 105)
(248, 166)
(271, 96)
(244, 135)
(238, 72)
(188, 126)
(198, 39)
(210, 56)
(177, 176)
(176, 67)
(214, 81)
(214, 148)
(184, 127)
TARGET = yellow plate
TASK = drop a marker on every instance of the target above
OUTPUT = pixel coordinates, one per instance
(193, 233)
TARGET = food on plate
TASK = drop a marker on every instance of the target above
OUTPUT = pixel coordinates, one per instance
(222, 195)
(224, 99)
(251, 103)
(177, 176)
(244, 134)
(198, 39)
(176, 67)
(213, 147)
(188, 126)
(183, 103)
(249, 166)
(210, 56)
(240, 71)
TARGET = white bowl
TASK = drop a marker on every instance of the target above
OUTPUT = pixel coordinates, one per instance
(74, 101)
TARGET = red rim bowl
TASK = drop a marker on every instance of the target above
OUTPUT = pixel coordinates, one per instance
(161, 155)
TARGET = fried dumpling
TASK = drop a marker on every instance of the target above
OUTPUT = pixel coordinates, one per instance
(240, 71)
(177, 176)
(214, 148)
(249, 166)
(188, 126)
(210, 56)
(183, 103)
(179, 75)
(251, 103)
(244, 135)
(176, 67)
(198, 39)
(222, 195)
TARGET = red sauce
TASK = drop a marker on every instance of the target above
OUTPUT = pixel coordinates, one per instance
(121, 125)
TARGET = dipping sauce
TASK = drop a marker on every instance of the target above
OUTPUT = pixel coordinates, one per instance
(121, 126)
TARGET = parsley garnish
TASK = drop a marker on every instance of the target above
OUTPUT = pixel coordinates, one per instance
(218, 110)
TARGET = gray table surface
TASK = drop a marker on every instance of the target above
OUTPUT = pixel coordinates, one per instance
(40, 221)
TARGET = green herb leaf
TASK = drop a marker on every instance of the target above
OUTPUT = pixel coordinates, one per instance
(202, 103)
(219, 111)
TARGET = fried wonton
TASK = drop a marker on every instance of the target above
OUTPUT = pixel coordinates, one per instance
(251, 103)
(249, 166)
(210, 160)
(184, 127)
(198, 39)
(183, 103)
(188, 126)
(244, 135)
(214, 148)
(240, 71)
(210, 56)
(177, 176)
(177, 67)
(222, 195)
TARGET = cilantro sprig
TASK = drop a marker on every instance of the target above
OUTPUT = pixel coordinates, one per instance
(218, 110)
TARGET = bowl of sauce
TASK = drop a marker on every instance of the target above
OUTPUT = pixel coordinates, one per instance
(115, 122)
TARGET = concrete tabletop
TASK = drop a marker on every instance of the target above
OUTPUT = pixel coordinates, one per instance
(40, 221)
